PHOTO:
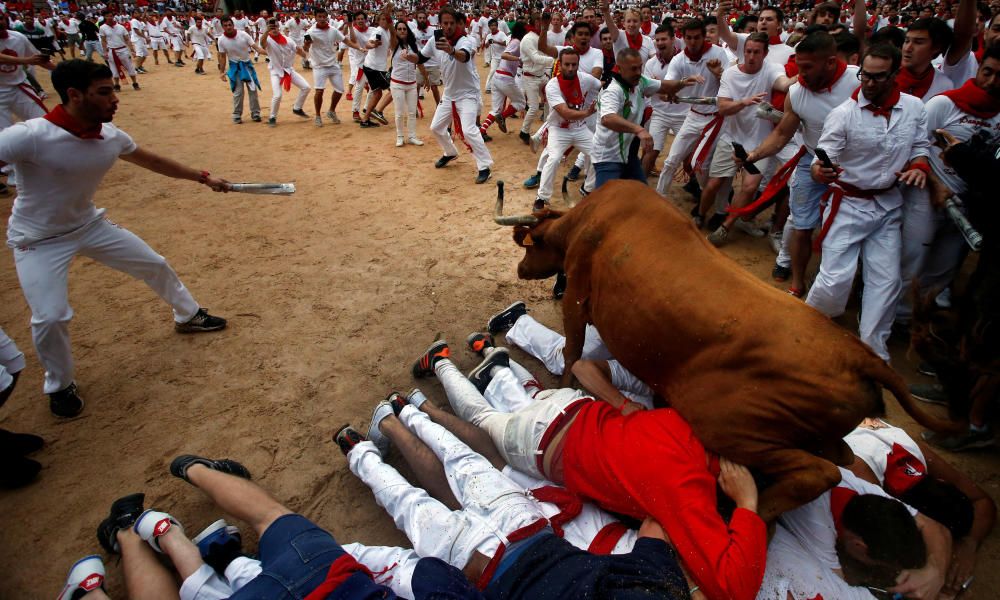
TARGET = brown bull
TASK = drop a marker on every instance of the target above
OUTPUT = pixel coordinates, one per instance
(762, 378)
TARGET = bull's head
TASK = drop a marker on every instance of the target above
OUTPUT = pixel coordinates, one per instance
(541, 260)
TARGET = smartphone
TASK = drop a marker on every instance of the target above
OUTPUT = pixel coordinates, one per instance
(822, 156)
(741, 153)
(378, 37)
(438, 35)
(940, 139)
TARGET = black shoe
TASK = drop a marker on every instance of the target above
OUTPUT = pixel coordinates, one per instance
(124, 511)
(479, 341)
(480, 376)
(573, 174)
(780, 273)
(506, 318)
(397, 402)
(180, 465)
(66, 402)
(201, 321)
(715, 221)
(19, 444)
(584, 192)
(501, 124)
(484, 176)
(424, 366)
(559, 288)
(443, 161)
(693, 188)
(118, 87)
(298, 112)
(486, 137)
(18, 471)
(368, 124)
(256, 118)
(7, 391)
(540, 204)
(524, 137)
(926, 368)
(135, 86)
(379, 117)
(347, 438)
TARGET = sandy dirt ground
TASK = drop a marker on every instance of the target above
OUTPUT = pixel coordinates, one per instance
(330, 295)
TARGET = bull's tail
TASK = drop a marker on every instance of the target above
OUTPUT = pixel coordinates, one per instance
(883, 374)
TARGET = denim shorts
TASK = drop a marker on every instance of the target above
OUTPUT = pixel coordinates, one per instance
(805, 194)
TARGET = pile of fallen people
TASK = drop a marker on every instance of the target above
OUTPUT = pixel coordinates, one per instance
(535, 493)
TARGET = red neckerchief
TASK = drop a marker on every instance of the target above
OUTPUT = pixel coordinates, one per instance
(695, 58)
(883, 110)
(359, 30)
(571, 91)
(646, 27)
(912, 84)
(531, 29)
(453, 40)
(972, 99)
(634, 43)
(325, 26)
(230, 35)
(60, 118)
(279, 39)
(841, 69)
(774, 40)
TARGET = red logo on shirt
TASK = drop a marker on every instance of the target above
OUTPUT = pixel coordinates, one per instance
(5, 68)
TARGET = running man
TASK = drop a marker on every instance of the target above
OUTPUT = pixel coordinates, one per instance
(118, 49)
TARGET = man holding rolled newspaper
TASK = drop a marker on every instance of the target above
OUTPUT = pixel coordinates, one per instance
(60, 159)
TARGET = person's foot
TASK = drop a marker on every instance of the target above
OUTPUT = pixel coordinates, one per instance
(414, 141)
(559, 287)
(180, 465)
(272, 122)
(298, 112)
(574, 173)
(66, 402)
(506, 318)
(699, 222)
(478, 342)
(483, 176)
(19, 444)
(533, 181)
(356, 116)
(347, 438)
(396, 401)
(219, 544)
(124, 511)
(749, 227)
(501, 123)
(443, 161)
(368, 124)
(85, 576)
(256, 118)
(539, 204)
(424, 366)
(926, 368)
(715, 221)
(378, 116)
(774, 239)
(118, 87)
(318, 120)
(584, 192)
(480, 376)
(719, 237)
(141, 70)
(350, 97)
(970, 440)
(17, 471)
(201, 321)
(780, 273)
(931, 393)
(237, 120)
(416, 398)
(135, 86)
(486, 137)
(399, 142)
(382, 410)
(333, 117)
(524, 138)
(152, 524)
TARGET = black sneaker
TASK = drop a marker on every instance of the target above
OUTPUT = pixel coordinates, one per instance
(379, 117)
(696, 216)
(135, 86)
(573, 174)
(443, 161)
(18, 471)
(396, 401)
(298, 112)
(180, 465)
(484, 176)
(124, 511)
(118, 87)
(780, 273)
(486, 137)
(479, 341)
(347, 438)
(559, 287)
(524, 137)
(367, 124)
(501, 124)
(201, 321)
(272, 122)
(7, 391)
(926, 368)
(693, 188)
(66, 402)
(256, 118)
(931, 393)
(540, 204)
(19, 444)
(480, 376)
(424, 366)
(506, 318)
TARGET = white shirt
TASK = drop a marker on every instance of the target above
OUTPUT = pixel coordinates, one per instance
(236, 48)
(115, 36)
(647, 49)
(613, 146)
(813, 107)
(509, 67)
(556, 39)
(241, 24)
(200, 36)
(295, 29)
(792, 570)
(323, 50)
(154, 30)
(876, 443)
(422, 37)
(593, 59)
(655, 69)
(169, 27)
(532, 60)
(943, 114)
(357, 57)
(71, 28)
(58, 176)
(137, 31)
(681, 66)
(960, 72)
(282, 55)
(15, 44)
(377, 59)
(461, 79)
(403, 70)
(744, 127)
(872, 150)
(497, 42)
(217, 27)
(590, 86)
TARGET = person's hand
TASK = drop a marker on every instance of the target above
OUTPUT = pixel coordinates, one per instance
(217, 184)
(645, 141)
(755, 99)
(824, 174)
(737, 483)
(693, 79)
(949, 139)
(715, 66)
(222, 75)
(546, 20)
(444, 46)
(630, 407)
(725, 6)
(914, 177)
(963, 561)
(38, 60)
(592, 109)
(920, 584)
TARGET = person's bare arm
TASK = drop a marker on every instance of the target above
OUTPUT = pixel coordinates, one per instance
(861, 469)
(782, 83)
(609, 20)
(222, 65)
(860, 22)
(543, 39)
(725, 32)
(509, 56)
(670, 87)
(171, 168)
(965, 32)
(728, 106)
(38, 60)
(595, 377)
(777, 139)
(597, 72)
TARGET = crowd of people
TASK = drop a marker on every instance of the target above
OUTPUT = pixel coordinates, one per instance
(862, 131)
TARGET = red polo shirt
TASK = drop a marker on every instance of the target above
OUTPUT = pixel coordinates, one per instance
(650, 463)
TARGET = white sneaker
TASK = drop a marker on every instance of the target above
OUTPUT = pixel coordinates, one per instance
(152, 524)
(749, 227)
(86, 574)
(719, 236)
(415, 141)
(535, 143)
(333, 117)
(774, 239)
(399, 142)
(318, 121)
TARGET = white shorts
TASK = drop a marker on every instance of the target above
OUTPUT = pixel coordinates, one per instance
(200, 52)
(140, 48)
(176, 43)
(157, 43)
(433, 76)
(660, 125)
(353, 77)
(119, 60)
(723, 164)
(333, 74)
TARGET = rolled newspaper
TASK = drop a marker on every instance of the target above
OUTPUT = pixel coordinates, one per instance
(766, 111)
(953, 206)
(280, 189)
(698, 100)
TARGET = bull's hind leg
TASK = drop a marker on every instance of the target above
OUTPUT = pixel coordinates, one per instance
(798, 476)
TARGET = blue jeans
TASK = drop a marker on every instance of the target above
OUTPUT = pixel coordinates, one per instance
(606, 171)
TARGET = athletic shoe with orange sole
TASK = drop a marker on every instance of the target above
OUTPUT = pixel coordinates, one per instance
(424, 366)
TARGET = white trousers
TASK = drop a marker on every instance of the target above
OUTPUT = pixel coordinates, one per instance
(122, 57)
(467, 109)
(505, 88)
(206, 584)
(11, 360)
(19, 101)
(140, 47)
(534, 93)
(177, 43)
(201, 52)
(43, 270)
(404, 98)
(390, 566)
(861, 227)
(684, 144)
(661, 125)
(560, 140)
(360, 81)
(277, 92)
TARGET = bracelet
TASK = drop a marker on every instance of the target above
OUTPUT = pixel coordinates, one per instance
(203, 177)
(693, 590)
(926, 168)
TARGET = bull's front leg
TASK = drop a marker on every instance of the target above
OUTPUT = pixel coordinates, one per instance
(576, 315)
(799, 477)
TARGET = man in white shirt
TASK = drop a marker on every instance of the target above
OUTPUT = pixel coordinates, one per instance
(572, 98)
(359, 33)
(668, 117)
(495, 43)
(321, 43)
(424, 32)
(70, 25)
(281, 52)
(171, 28)
(140, 40)
(536, 67)
(876, 138)
(61, 160)
(295, 28)
(201, 42)
(461, 98)
(504, 85)
(234, 47)
(118, 48)
(631, 36)
(769, 22)
(157, 39)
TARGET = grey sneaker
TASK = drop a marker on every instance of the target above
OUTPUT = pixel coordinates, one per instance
(333, 117)
(382, 410)
(201, 321)
(970, 440)
(719, 237)
(931, 393)
(272, 122)
(774, 239)
(749, 227)
(318, 121)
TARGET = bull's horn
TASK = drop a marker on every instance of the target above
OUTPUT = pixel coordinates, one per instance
(511, 220)
(565, 190)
